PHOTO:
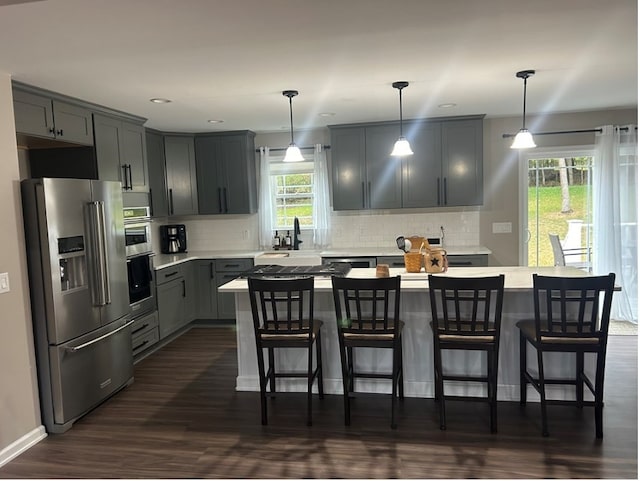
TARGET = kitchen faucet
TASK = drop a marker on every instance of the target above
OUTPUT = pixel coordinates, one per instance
(296, 233)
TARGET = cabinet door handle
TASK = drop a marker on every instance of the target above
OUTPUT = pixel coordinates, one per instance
(135, 348)
(150, 201)
(171, 201)
(219, 200)
(211, 270)
(445, 190)
(144, 326)
(52, 130)
(459, 263)
(438, 184)
(363, 196)
(184, 289)
(226, 206)
(124, 177)
(171, 274)
(130, 177)
(369, 193)
(60, 133)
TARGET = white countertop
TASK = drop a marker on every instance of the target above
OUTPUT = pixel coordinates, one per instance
(167, 260)
(516, 277)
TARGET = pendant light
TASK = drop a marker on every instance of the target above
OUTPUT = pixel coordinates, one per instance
(293, 152)
(524, 139)
(401, 147)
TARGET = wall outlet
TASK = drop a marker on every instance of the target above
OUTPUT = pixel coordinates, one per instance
(502, 227)
(4, 282)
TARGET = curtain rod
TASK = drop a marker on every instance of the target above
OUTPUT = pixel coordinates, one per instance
(585, 131)
(282, 149)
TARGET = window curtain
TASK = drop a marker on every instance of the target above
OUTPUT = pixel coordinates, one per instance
(616, 217)
(266, 217)
(321, 205)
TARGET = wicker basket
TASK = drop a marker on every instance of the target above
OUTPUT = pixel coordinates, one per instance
(413, 261)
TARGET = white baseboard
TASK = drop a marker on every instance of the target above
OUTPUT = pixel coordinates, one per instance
(21, 445)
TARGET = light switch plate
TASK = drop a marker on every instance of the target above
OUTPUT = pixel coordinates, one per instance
(502, 227)
(4, 282)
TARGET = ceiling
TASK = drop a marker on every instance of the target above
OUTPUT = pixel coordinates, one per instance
(230, 59)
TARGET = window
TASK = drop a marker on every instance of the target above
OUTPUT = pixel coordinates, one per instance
(557, 195)
(293, 187)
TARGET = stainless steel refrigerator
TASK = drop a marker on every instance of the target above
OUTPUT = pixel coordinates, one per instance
(79, 294)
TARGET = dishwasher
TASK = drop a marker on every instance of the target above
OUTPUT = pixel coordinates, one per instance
(353, 261)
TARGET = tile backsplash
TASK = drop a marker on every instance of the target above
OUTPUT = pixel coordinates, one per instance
(349, 229)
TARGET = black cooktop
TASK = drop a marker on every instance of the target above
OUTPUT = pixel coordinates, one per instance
(339, 269)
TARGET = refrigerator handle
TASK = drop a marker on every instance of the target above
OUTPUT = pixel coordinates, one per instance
(98, 339)
(101, 289)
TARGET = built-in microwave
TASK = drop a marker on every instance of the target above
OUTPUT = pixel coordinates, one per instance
(137, 231)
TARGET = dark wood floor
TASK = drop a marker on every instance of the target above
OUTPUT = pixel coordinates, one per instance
(182, 419)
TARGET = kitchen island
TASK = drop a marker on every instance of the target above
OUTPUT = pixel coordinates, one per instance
(417, 340)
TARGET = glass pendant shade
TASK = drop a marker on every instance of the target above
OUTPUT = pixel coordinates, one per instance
(401, 148)
(293, 154)
(523, 140)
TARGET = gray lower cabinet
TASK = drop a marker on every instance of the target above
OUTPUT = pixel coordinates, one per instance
(121, 152)
(190, 291)
(445, 169)
(227, 270)
(181, 174)
(206, 289)
(470, 260)
(144, 332)
(226, 166)
(158, 198)
(42, 116)
(171, 290)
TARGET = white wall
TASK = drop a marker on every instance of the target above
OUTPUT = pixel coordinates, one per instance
(19, 405)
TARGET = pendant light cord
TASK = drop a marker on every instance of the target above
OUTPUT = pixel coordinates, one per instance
(291, 118)
(524, 103)
(400, 90)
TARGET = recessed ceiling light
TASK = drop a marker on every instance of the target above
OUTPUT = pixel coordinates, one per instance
(159, 100)
(215, 121)
(326, 114)
(447, 106)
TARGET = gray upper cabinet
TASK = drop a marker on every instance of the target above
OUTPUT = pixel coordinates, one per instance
(181, 174)
(445, 169)
(421, 170)
(157, 175)
(226, 173)
(121, 152)
(349, 174)
(42, 116)
(462, 162)
(365, 176)
(384, 172)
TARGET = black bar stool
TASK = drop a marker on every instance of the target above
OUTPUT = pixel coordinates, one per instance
(465, 315)
(283, 318)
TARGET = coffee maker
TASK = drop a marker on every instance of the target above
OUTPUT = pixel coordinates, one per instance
(173, 238)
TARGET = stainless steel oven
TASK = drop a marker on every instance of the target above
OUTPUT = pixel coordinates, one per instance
(137, 231)
(142, 290)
